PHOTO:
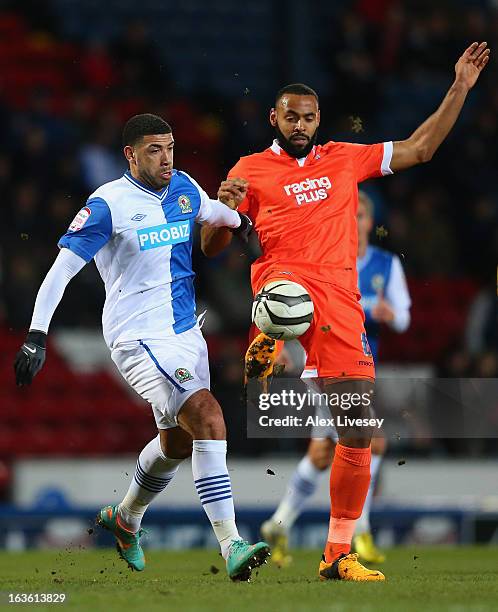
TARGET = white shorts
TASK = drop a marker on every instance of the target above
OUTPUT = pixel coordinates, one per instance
(165, 372)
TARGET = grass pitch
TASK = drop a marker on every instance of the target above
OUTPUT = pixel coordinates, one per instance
(457, 579)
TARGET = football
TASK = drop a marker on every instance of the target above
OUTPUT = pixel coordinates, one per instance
(282, 310)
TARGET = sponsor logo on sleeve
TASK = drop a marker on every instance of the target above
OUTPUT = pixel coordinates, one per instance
(81, 218)
(163, 235)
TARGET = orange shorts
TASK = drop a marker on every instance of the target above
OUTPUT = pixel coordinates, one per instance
(336, 343)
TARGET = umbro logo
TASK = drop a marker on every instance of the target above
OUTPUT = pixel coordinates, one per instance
(138, 217)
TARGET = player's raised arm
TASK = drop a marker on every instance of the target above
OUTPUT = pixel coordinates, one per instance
(215, 239)
(31, 356)
(424, 142)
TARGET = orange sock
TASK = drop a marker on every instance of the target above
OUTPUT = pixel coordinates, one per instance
(349, 482)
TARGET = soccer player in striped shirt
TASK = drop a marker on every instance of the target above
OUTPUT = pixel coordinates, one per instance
(139, 231)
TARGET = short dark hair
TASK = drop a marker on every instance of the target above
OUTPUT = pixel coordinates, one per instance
(299, 89)
(139, 126)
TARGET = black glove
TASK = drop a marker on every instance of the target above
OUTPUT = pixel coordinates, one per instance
(30, 359)
(245, 228)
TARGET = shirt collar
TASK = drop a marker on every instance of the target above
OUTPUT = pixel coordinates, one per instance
(160, 195)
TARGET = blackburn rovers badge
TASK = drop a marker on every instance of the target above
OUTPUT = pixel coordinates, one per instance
(366, 347)
(184, 203)
(182, 375)
(378, 282)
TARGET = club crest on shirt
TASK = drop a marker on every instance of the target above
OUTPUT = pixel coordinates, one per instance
(378, 282)
(184, 203)
(182, 375)
(366, 347)
(81, 218)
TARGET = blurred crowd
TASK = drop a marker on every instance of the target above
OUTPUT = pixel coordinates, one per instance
(384, 66)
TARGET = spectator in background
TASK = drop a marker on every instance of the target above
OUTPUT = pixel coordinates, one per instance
(97, 68)
(99, 162)
(456, 363)
(350, 57)
(6, 179)
(24, 218)
(3, 311)
(31, 159)
(137, 62)
(20, 286)
(40, 16)
(481, 220)
(246, 133)
(430, 243)
(481, 330)
(487, 365)
(431, 41)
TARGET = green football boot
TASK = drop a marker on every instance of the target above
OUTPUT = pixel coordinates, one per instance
(127, 543)
(244, 557)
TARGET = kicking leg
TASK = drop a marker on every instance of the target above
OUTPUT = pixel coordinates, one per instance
(202, 418)
(156, 466)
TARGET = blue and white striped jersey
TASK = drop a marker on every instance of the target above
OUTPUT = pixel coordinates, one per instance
(141, 241)
(380, 273)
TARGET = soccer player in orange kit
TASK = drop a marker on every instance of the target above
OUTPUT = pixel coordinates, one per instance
(302, 198)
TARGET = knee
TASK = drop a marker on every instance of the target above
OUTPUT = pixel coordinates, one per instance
(212, 427)
(183, 453)
(175, 443)
(177, 450)
(353, 400)
(202, 417)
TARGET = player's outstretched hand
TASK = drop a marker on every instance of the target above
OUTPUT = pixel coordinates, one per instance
(233, 191)
(30, 358)
(471, 64)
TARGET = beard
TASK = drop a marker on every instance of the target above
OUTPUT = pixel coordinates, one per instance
(292, 149)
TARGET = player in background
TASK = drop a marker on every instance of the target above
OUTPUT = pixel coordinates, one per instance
(302, 198)
(139, 230)
(385, 300)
